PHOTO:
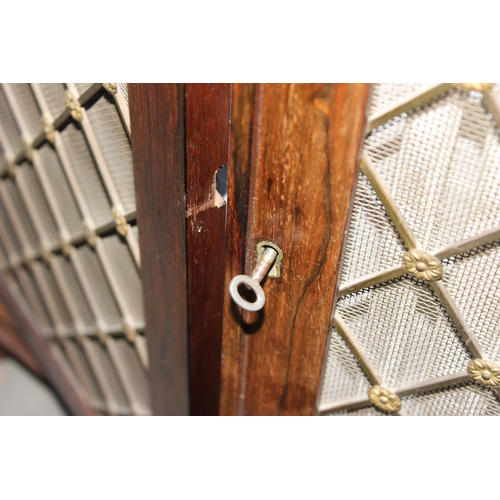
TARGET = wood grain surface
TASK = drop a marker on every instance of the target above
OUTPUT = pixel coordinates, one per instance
(207, 151)
(158, 146)
(294, 157)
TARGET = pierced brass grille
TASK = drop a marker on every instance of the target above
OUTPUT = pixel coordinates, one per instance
(65, 182)
(430, 181)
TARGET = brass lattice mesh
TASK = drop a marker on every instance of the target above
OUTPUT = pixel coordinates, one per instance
(58, 238)
(430, 180)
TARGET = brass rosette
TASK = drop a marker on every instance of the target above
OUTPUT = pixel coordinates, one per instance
(422, 265)
(484, 372)
(384, 399)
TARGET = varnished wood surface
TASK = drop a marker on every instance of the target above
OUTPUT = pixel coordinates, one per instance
(158, 146)
(207, 143)
(237, 214)
(300, 146)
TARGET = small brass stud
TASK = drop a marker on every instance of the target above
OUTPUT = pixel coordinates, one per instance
(103, 338)
(48, 128)
(112, 88)
(120, 221)
(27, 150)
(130, 333)
(74, 106)
(46, 255)
(66, 246)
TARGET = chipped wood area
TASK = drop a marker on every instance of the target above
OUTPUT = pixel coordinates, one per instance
(207, 150)
(294, 157)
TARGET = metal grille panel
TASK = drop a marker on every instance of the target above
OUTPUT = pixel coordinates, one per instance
(58, 242)
(430, 180)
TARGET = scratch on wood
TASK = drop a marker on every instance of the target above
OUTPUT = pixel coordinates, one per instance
(215, 200)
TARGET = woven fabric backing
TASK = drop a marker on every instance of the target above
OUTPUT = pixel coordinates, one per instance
(115, 146)
(467, 400)
(54, 94)
(79, 363)
(9, 127)
(30, 291)
(87, 173)
(343, 378)
(385, 95)
(10, 243)
(28, 107)
(372, 244)
(28, 177)
(440, 164)
(17, 209)
(472, 279)
(127, 275)
(401, 327)
(61, 189)
(71, 285)
(102, 293)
